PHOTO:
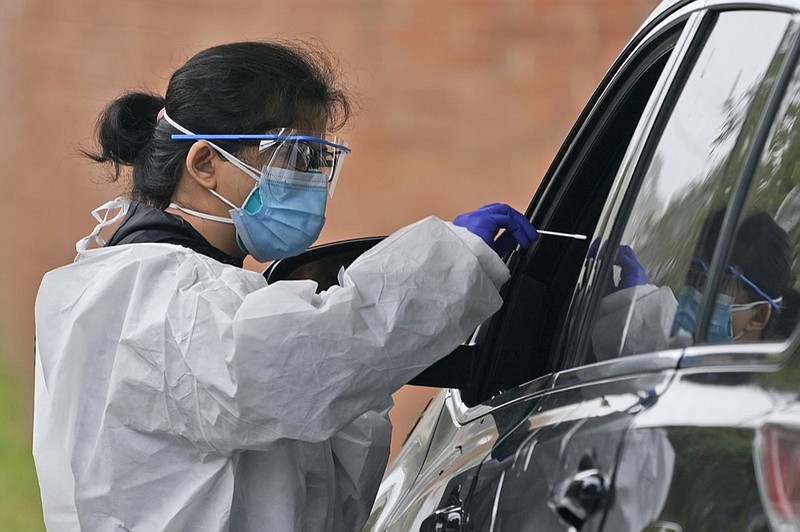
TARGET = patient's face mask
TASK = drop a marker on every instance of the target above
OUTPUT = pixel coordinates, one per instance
(285, 212)
(720, 328)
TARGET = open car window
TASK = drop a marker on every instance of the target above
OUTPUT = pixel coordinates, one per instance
(519, 344)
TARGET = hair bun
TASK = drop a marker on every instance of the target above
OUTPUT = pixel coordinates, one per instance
(126, 126)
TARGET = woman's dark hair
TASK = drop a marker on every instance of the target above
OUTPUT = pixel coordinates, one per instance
(246, 88)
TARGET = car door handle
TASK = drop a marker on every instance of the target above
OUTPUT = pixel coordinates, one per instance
(580, 497)
(448, 519)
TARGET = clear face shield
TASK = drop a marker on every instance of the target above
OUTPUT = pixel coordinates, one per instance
(304, 151)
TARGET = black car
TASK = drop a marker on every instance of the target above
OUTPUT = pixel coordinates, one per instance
(647, 377)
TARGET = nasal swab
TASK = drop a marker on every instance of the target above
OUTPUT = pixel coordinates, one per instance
(565, 235)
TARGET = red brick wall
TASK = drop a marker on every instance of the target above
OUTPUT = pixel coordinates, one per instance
(463, 103)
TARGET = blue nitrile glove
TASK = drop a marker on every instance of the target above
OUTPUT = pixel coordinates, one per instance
(632, 272)
(488, 220)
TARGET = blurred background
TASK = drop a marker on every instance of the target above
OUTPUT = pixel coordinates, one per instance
(461, 103)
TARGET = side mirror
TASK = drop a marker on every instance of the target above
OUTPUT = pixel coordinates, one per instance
(320, 263)
(323, 263)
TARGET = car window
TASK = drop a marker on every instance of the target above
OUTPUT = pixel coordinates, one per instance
(759, 289)
(686, 182)
(521, 337)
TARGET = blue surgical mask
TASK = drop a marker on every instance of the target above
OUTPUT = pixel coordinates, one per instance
(721, 327)
(283, 215)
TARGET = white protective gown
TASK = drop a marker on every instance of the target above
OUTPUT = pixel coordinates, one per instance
(174, 392)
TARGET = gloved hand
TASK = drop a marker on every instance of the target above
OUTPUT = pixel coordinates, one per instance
(632, 272)
(488, 220)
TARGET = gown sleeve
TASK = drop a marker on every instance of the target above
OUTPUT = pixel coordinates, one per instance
(286, 362)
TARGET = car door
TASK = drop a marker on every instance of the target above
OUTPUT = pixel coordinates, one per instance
(730, 418)
(512, 368)
(558, 468)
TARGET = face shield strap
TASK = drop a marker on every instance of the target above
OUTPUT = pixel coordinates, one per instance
(774, 303)
(246, 168)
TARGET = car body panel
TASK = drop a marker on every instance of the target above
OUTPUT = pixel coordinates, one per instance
(399, 480)
(521, 484)
(708, 478)
(449, 468)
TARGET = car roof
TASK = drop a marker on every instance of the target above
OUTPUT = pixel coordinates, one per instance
(665, 7)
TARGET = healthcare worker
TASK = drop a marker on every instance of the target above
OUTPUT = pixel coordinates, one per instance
(176, 390)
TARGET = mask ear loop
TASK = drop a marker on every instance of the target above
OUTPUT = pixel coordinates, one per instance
(246, 168)
(203, 215)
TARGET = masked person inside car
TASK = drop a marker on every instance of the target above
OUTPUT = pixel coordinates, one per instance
(638, 317)
(175, 390)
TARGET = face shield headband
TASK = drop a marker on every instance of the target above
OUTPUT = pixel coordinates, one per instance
(283, 148)
(699, 271)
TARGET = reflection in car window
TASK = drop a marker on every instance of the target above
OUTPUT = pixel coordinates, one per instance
(761, 304)
(691, 175)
